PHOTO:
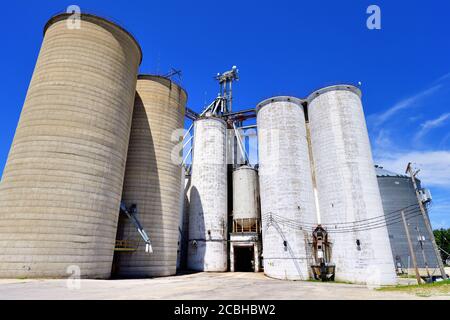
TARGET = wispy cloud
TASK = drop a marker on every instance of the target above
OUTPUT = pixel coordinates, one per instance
(434, 165)
(443, 78)
(380, 118)
(432, 124)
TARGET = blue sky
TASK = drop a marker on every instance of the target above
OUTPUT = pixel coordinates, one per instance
(280, 47)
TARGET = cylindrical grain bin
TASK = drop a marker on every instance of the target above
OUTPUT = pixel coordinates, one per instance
(285, 180)
(246, 212)
(208, 215)
(397, 193)
(153, 178)
(62, 184)
(347, 186)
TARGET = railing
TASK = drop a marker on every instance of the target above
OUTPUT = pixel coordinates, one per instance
(126, 245)
(246, 225)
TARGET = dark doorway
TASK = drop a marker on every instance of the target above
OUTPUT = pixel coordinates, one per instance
(243, 259)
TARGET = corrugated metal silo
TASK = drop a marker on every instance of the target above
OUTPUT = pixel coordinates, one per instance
(397, 193)
(287, 199)
(246, 210)
(208, 215)
(347, 186)
(153, 178)
(62, 184)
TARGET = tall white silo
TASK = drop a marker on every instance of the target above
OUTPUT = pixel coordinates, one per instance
(208, 209)
(347, 187)
(287, 198)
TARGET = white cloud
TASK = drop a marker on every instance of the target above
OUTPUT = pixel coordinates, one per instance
(443, 78)
(432, 124)
(380, 118)
(434, 165)
(383, 139)
(440, 212)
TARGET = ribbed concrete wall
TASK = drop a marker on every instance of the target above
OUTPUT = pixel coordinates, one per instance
(285, 179)
(245, 195)
(397, 192)
(347, 185)
(208, 215)
(153, 179)
(62, 184)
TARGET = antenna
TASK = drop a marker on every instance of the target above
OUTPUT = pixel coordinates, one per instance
(173, 72)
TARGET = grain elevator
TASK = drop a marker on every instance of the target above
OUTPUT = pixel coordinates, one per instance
(100, 179)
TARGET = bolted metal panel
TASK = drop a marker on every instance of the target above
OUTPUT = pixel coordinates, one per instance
(62, 184)
(153, 178)
(285, 179)
(397, 192)
(347, 185)
(208, 215)
(245, 196)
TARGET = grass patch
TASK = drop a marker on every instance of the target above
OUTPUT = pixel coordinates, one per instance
(439, 288)
(405, 276)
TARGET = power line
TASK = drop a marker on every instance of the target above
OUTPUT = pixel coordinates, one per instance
(352, 223)
(342, 229)
(310, 225)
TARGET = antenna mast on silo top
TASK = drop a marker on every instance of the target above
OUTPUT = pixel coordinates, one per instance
(226, 88)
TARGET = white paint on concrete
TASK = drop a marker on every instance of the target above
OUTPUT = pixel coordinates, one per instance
(287, 198)
(208, 215)
(347, 185)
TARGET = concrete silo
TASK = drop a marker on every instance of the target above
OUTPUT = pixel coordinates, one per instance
(245, 246)
(347, 186)
(397, 193)
(208, 215)
(287, 198)
(62, 184)
(153, 178)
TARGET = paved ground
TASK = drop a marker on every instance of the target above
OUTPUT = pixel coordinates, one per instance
(220, 286)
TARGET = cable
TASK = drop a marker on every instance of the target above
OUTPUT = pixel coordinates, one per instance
(353, 223)
(411, 213)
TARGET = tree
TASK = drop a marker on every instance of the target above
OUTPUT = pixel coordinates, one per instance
(443, 241)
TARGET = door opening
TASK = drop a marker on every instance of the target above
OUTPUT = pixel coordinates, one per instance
(244, 259)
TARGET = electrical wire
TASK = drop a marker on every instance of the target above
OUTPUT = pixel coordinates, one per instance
(360, 225)
(351, 223)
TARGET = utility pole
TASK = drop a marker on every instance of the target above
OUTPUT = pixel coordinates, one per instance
(411, 249)
(421, 241)
(409, 170)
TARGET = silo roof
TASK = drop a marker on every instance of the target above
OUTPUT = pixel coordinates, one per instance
(381, 172)
(88, 16)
